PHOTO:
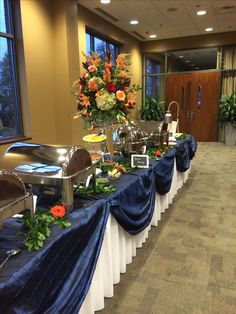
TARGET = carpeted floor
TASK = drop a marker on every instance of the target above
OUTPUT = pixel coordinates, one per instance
(188, 264)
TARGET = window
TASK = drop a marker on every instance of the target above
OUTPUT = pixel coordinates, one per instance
(10, 119)
(101, 45)
(152, 77)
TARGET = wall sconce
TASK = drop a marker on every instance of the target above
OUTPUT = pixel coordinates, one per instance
(168, 115)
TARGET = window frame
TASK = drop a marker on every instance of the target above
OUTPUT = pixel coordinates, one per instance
(13, 56)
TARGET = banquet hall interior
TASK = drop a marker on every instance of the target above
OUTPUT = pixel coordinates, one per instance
(181, 53)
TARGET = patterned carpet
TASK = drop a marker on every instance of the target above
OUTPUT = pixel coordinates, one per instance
(188, 264)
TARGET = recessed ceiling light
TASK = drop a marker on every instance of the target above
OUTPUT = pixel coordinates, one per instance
(152, 36)
(105, 1)
(201, 12)
(134, 22)
(209, 29)
(181, 57)
(187, 61)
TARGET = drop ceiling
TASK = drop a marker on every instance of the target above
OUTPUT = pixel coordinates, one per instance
(166, 19)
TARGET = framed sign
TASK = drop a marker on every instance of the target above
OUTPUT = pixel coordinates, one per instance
(140, 161)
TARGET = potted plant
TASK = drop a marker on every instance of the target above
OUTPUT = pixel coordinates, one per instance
(227, 117)
(152, 111)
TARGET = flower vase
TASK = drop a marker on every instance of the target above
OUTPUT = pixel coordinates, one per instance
(107, 146)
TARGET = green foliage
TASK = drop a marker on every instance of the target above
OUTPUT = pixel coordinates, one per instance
(227, 110)
(181, 137)
(100, 189)
(152, 109)
(151, 152)
(38, 228)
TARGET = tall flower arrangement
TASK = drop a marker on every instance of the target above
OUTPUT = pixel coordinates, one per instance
(104, 93)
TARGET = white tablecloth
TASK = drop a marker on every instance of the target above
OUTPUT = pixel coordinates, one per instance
(119, 247)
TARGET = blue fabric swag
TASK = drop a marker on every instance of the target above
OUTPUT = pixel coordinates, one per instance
(133, 204)
(57, 278)
(163, 172)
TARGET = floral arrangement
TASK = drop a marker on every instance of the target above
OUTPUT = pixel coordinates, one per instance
(104, 93)
(37, 227)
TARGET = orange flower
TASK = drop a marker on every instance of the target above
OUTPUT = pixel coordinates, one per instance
(92, 68)
(85, 100)
(122, 74)
(120, 95)
(92, 86)
(108, 65)
(107, 75)
(121, 62)
(58, 211)
(158, 153)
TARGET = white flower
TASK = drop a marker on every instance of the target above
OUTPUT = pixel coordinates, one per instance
(105, 100)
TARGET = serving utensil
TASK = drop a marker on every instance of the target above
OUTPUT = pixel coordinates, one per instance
(10, 253)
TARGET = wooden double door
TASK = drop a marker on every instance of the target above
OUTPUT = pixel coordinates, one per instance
(197, 95)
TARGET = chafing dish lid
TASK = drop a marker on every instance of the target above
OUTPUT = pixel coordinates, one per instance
(129, 134)
(11, 188)
(38, 159)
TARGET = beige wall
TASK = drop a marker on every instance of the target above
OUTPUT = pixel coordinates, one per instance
(201, 41)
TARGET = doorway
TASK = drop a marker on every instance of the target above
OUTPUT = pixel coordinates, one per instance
(197, 94)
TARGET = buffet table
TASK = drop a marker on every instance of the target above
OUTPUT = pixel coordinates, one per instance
(78, 266)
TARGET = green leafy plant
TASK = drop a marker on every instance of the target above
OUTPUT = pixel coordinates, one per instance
(158, 151)
(181, 137)
(152, 109)
(38, 229)
(37, 226)
(227, 110)
(100, 189)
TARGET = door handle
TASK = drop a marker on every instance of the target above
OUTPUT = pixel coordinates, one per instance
(191, 115)
(188, 115)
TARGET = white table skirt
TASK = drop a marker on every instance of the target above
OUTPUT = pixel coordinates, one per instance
(119, 247)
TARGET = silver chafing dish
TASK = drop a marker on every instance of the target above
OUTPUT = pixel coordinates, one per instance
(49, 166)
(157, 132)
(13, 196)
(159, 136)
(128, 138)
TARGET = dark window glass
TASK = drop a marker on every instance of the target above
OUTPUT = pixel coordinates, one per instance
(5, 23)
(10, 122)
(152, 79)
(101, 45)
(88, 44)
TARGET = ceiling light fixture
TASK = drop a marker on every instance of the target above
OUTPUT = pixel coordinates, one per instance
(187, 61)
(201, 12)
(105, 1)
(181, 57)
(209, 29)
(134, 22)
(152, 36)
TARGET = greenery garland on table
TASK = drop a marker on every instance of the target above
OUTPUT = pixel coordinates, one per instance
(100, 189)
(181, 137)
(38, 226)
(158, 151)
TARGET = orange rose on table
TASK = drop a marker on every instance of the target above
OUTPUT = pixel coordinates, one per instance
(120, 95)
(158, 153)
(58, 211)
